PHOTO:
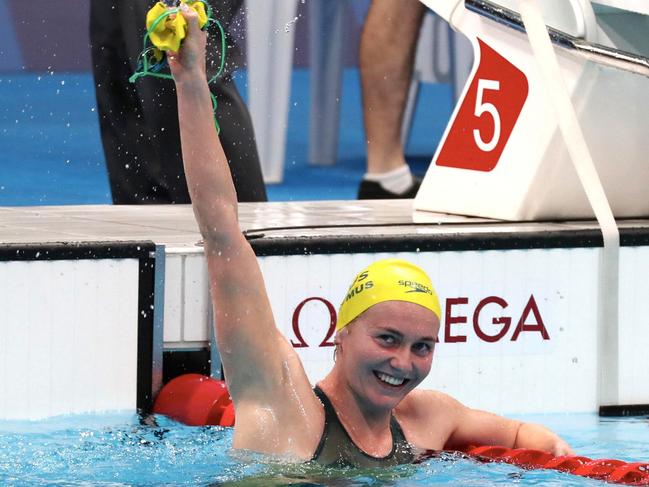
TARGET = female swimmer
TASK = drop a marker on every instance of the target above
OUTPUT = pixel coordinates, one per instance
(367, 411)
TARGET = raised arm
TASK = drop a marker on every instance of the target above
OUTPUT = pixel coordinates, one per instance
(243, 318)
(263, 372)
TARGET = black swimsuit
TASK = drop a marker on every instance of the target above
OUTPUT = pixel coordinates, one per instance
(336, 448)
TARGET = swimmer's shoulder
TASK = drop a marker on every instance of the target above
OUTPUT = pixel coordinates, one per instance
(427, 401)
(428, 417)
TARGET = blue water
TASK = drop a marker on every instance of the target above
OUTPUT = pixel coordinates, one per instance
(116, 450)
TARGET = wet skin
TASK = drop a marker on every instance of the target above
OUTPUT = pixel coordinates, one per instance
(386, 352)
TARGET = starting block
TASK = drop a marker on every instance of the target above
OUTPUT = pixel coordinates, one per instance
(502, 155)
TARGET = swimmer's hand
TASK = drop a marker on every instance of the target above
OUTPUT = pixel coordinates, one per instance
(539, 437)
(189, 61)
(561, 448)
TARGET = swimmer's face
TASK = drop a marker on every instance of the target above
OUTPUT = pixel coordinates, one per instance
(387, 351)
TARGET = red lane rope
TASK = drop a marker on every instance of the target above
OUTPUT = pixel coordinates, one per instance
(608, 470)
(198, 400)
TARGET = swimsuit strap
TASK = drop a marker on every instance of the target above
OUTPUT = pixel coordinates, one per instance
(337, 448)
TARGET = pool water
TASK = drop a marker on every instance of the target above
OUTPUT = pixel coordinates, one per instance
(118, 450)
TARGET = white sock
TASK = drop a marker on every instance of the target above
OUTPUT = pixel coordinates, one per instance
(397, 181)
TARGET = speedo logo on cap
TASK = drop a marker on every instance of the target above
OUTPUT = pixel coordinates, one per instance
(415, 287)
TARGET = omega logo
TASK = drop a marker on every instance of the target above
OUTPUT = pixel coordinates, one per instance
(452, 329)
(326, 342)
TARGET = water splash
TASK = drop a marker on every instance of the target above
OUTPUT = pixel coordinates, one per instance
(289, 24)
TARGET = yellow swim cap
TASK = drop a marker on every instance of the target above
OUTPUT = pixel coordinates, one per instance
(167, 33)
(387, 280)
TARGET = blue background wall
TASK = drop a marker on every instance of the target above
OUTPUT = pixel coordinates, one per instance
(52, 35)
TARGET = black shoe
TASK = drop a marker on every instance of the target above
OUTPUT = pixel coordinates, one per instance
(371, 190)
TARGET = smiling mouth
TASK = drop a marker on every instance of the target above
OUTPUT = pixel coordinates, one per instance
(390, 380)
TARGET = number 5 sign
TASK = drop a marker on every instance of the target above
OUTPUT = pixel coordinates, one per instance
(487, 116)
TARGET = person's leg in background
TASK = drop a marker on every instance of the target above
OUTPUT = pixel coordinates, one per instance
(150, 167)
(387, 54)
